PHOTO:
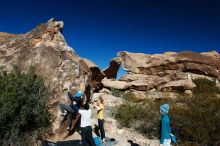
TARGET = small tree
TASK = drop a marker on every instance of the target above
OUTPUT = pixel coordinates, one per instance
(23, 111)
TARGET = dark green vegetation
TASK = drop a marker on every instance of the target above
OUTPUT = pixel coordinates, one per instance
(194, 120)
(24, 116)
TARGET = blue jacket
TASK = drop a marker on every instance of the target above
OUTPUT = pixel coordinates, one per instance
(71, 97)
(74, 98)
(165, 128)
(76, 107)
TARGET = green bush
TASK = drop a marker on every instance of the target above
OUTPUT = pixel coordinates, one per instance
(130, 97)
(117, 93)
(23, 111)
(194, 120)
(142, 116)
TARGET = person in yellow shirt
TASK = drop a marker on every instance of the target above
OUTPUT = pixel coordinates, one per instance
(100, 114)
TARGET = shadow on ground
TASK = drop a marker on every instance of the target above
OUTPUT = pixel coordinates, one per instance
(132, 143)
(109, 142)
(61, 143)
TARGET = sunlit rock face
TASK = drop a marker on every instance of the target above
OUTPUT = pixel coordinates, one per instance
(45, 49)
(170, 62)
(169, 71)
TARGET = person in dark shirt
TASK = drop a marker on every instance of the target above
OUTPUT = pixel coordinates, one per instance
(71, 110)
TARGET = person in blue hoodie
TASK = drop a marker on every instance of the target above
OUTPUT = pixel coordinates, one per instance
(165, 130)
(71, 110)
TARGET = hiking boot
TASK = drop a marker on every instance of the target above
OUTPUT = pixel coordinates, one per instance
(103, 140)
(68, 128)
(63, 114)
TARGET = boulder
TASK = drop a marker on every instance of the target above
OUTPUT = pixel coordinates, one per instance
(45, 49)
(188, 92)
(141, 85)
(121, 85)
(109, 99)
(159, 64)
(105, 90)
(180, 85)
(144, 82)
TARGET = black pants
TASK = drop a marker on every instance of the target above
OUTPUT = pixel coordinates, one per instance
(88, 93)
(86, 134)
(70, 117)
(101, 128)
(66, 107)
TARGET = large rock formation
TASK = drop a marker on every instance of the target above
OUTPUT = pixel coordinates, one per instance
(45, 49)
(166, 72)
(162, 64)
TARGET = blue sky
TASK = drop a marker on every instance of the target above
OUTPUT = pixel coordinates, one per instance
(98, 29)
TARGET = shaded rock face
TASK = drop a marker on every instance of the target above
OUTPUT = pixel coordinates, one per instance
(46, 50)
(181, 84)
(95, 75)
(112, 70)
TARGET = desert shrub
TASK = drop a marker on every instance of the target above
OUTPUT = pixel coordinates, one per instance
(130, 97)
(142, 116)
(117, 93)
(194, 120)
(23, 112)
(205, 87)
